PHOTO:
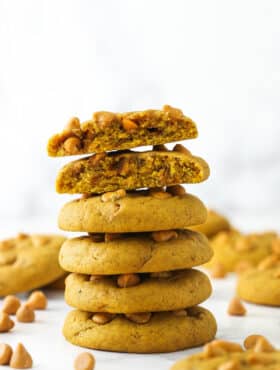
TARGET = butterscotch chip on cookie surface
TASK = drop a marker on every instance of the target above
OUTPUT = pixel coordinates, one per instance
(108, 131)
(136, 212)
(164, 332)
(28, 263)
(134, 253)
(130, 171)
(181, 289)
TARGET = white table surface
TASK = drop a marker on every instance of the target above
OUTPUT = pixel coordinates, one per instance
(49, 350)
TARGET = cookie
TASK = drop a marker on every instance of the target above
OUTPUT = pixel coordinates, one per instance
(108, 131)
(134, 253)
(177, 290)
(136, 212)
(164, 332)
(130, 170)
(248, 360)
(28, 262)
(214, 224)
(261, 286)
(231, 247)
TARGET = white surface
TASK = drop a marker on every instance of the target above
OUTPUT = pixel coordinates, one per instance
(50, 351)
(217, 60)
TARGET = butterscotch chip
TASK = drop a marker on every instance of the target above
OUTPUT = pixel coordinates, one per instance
(72, 125)
(139, 318)
(263, 345)
(25, 314)
(72, 145)
(128, 280)
(97, 277)
(104, 119)
(236, 308)
(164, 235)
(251, 340)
(181, 149)
(220, 347)
(10, 304)
(160, 148)
(5, 353)
(6, 324)
(159, 194)
(176, 190)
(84, 361)
(21, 359)
(102, 318)
(230, 365)
(180, 313)
(37, 300)
(129, 125)
(218, 271)
(111, 196)
(22, 236)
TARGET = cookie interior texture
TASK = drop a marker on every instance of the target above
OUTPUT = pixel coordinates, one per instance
(116, 131)
(129, 171)
(164, 332)
(134, 253)
(136, 212)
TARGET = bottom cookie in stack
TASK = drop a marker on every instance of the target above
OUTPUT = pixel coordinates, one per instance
(126, 299)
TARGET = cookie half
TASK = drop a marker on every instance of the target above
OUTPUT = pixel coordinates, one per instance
(248, 360)
(114, 131)
(29, 262)
(133, 213)
(260, 286)
(178, 290)
(130, 170)
(134, 253)
(231, 247)
(214, 224)
(165, 332)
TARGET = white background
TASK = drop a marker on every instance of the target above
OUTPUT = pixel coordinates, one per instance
(219, 61)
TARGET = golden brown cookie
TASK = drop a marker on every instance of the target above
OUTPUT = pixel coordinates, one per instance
(130, 170)
(136, 212)
(214, 224)
(134, 253)
(248, 360)
(28, 262)
(261, 285)
(177, 290)
(231, 247)
(164, 332)
(108, 131)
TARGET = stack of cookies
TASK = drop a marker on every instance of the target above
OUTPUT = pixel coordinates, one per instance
(131, 280)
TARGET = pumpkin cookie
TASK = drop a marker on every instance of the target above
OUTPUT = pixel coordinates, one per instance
(130, 170)
(261, 285)
(29, 262)
(134, 253)
(166, 291)
(235, 360)
(135, 212)
(231, 247)
(214, 224)
(114, 131)
(164, 332)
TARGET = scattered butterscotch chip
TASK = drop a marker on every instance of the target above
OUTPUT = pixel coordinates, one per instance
(220, 347)
(10, 304)
(243, 266)
(25, 314)
(139, 318)
(230, 365)
(164, 235)
(84, 361)
(236, 308)
(128, 280)
(111, 196)
(176, 190)
(218, 271)
(5, 353)
(263, 345)
(37, 300)
(102, 318)
(180, 313)
(6, 323)
(21, 359)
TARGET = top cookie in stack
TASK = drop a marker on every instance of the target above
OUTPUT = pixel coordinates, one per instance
(132, 274)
